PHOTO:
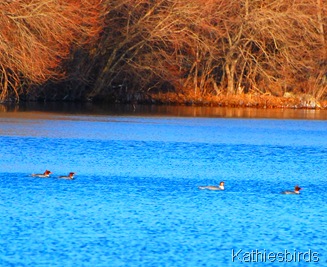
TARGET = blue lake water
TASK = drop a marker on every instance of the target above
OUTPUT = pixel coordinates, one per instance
(135, 200)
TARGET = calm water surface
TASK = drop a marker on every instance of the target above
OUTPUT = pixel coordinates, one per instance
(135, 200)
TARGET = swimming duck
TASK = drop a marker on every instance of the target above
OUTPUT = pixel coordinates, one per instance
(295, 192)
(70, 176)
(46, 174)
(213, 187)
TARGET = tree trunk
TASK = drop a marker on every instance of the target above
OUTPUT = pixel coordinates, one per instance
(321, 27)
(230, 72)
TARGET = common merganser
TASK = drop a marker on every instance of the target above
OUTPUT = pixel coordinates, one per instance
(69, 177)
(213, 187)
(295, 192)
(46, 174)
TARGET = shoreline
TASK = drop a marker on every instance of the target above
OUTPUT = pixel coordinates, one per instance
(263, 101)
(240, 101)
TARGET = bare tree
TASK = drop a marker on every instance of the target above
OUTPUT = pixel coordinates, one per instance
(196, 47)
(35, 36)
(138, 49)
(264, 46)
(268, 43)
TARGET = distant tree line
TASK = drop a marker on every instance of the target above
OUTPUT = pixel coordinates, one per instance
(127, 49)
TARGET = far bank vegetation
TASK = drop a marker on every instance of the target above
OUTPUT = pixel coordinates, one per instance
(206, 52)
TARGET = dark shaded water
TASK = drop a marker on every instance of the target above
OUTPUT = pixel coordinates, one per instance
(135, 200)
(152, 110)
